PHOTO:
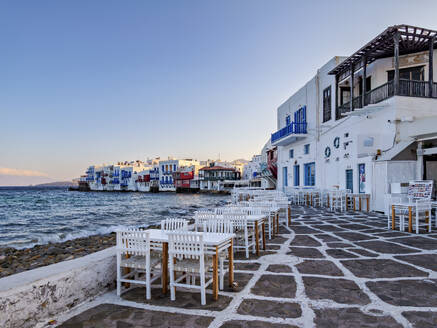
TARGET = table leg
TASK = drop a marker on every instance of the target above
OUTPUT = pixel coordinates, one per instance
(354, 203)
(215, 274)
(359, 203)
(347, 203)
(277, 223)
(329, 202)
(231, 263)
(410, 219)
(289, 215)
(393, 217)
(311, 199)
(257, 238)
(164, 266)
(264, 235)
(367, 200)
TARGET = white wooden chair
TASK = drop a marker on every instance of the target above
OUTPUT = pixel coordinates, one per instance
(174, 224)
(135, 254)
(423, 211)
(223, 226)
(200, 218)
(187, 255)
(244, 238)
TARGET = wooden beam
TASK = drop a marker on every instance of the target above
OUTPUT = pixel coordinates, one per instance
(396, 58)
(430, 64)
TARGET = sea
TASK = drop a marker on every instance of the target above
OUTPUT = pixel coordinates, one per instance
(39, 215)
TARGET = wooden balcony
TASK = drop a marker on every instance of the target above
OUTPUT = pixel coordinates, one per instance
(407, 88)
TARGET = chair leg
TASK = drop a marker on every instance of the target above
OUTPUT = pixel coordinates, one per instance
(246, 241)
(148, 286)
(118, 275)
(202, 287)
(172, 287)
(222, 273)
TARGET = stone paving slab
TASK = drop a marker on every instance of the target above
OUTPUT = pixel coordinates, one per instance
(406, 292)
(352, 318)
(427, 261)
(116, 316)
(254, 324)
(384, 268)
(319, 267)
(305, 252)
(421, 319)
(275, 286)
(262, 308)
(339, 290)
(279, 268)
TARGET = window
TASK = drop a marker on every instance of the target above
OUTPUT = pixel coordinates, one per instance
(349, 180)
(327, 104)
(285, 176)
(306, 149)
(411, 73)
(300, 120)
(310, 174)
(287, 120)
(291, 153)
(296, 175)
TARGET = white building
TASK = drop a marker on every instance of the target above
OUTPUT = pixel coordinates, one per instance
(388, 133)
(168, 167)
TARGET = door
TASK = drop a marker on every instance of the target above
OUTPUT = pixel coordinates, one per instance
(285, 176)
(349, 180)
(310, 174)
(296, 175)
(361, 178)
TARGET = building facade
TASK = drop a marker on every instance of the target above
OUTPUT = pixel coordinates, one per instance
(364, 121)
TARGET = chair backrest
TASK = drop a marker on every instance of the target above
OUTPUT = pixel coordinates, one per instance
(133, 241)
(185, 244)
(423, 205)
(174, 224)
(200, 218)
(239, 221)
(218, 226)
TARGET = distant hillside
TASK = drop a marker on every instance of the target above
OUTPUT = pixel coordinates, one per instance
(57, 184)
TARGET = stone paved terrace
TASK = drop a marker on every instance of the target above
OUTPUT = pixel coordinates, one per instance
(341, 270)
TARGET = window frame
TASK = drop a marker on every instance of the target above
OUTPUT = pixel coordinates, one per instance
(327, 104)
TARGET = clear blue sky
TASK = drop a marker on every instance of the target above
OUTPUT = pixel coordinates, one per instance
(85, 82)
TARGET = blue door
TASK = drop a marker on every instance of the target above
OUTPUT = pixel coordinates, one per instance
(285, 176)
(310, 174)
(296, 175)
(350, 180)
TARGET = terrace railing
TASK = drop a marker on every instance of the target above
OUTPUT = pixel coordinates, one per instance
(292, 128)
(408, 88)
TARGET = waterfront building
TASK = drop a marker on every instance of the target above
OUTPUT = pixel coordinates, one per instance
(186, 179)
(209, 176)
(363, 121)
(168, 167)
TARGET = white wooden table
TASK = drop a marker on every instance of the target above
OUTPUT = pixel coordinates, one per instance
(214, 243)
(402, 206)
(257, 221)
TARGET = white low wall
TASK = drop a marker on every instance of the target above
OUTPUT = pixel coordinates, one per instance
(33, 296)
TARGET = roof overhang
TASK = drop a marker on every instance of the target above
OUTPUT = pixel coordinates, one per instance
(411, 39)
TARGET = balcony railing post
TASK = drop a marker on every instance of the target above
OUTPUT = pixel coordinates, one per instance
(430, 66)
(363, 100)
(396, 63)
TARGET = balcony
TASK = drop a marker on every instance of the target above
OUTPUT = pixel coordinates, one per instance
(289, 133)
(407, 88)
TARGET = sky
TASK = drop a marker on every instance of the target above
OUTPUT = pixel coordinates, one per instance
(90, 82)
